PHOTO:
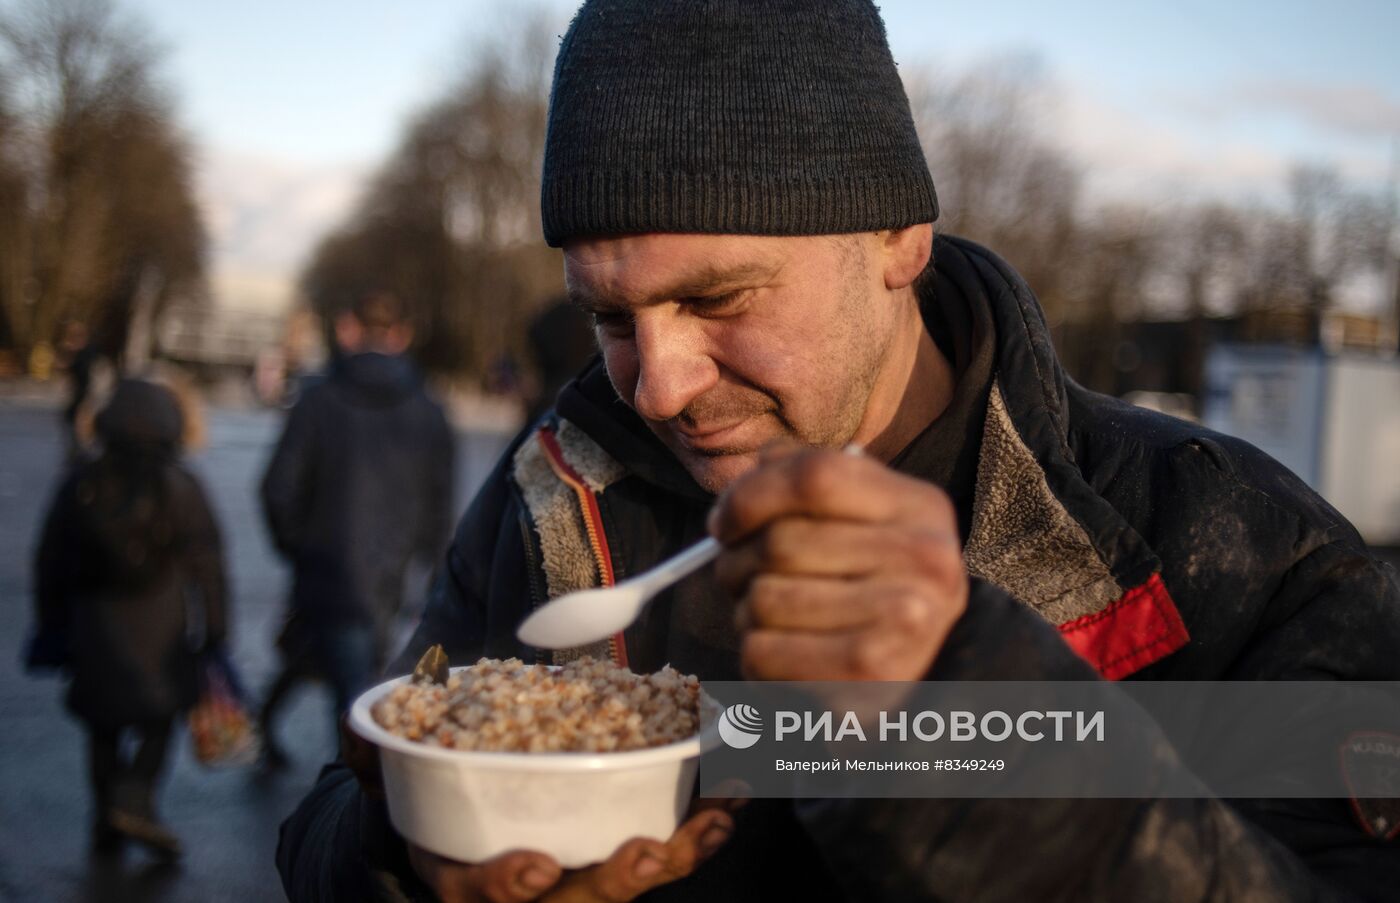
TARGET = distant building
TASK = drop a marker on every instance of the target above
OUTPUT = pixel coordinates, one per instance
(1168, 357)
(217, 341)
(1332, 417)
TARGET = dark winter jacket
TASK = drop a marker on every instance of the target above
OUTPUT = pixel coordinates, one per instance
(360, 482)
(1105, 541)
(128, 549)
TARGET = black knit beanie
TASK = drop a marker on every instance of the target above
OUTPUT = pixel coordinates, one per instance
(762, 117)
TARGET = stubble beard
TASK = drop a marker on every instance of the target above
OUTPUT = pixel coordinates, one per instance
(864, 347)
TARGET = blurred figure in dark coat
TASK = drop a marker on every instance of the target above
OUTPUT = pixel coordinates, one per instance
(562, 340)
(360, 484)
(128, 542)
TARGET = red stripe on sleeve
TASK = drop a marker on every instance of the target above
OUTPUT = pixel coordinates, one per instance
(1140, 628)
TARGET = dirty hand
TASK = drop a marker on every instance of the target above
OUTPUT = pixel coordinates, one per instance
(519, 875)
(843, 568)
(638, 866)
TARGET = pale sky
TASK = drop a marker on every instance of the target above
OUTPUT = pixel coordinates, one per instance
(292, 103)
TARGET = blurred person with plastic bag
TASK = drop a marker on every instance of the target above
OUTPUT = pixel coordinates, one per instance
(130, 550)
(360, 483)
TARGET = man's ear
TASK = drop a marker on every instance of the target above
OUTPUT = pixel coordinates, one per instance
(906, 252)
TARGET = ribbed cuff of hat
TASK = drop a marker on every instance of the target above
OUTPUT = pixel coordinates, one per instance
(611, 203)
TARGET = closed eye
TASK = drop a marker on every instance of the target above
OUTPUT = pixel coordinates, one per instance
(614, 323)
(716, 305)
(621, 322)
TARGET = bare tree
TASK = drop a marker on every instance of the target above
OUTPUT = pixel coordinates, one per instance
(1334, 232)
(15, 234)
(451, 222)
(1004, 182)
(1000, 180)
(1117, 255)
(1208, 250)
(107, 208)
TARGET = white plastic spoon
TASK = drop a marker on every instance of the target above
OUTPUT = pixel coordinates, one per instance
(588, 615)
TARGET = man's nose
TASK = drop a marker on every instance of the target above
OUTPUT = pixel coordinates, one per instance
(673, 367)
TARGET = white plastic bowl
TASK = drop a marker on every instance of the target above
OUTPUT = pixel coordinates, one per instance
(577, 807)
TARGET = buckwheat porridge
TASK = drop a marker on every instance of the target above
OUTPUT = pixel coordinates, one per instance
(509, 706)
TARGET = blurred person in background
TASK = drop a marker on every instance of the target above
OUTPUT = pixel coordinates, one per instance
(128, 542)
(360, 483)
(561, 339)
(78, 355)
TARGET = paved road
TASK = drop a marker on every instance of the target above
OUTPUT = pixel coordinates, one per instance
(228, 819)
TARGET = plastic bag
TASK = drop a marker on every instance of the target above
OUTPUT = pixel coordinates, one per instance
(223, 733)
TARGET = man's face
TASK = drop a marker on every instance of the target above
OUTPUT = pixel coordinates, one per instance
(725, 343)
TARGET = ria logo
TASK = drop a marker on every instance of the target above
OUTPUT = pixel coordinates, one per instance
(740, 725)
